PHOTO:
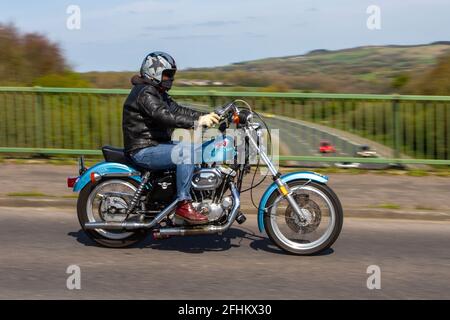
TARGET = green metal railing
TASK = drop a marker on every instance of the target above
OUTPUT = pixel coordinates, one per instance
(80, 121)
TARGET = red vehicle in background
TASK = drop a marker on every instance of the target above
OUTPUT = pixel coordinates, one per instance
(326, 147)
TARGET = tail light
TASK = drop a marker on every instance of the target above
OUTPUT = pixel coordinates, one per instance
(71, 181)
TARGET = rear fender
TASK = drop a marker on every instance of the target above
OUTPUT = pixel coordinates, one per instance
(104, 169)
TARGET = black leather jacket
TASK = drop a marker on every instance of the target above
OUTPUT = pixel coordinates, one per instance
(149, 116)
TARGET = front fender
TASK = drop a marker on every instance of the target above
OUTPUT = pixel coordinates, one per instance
(103, 168)
(285, 178)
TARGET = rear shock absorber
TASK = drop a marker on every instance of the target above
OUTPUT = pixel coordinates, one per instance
(137, 194)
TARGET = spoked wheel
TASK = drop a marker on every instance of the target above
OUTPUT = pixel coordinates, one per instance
(323, 224)
(108, 201)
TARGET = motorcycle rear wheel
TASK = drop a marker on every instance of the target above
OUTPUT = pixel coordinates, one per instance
(118, 239)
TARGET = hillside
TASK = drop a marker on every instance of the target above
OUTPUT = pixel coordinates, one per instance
(368, 69)
(436, 81)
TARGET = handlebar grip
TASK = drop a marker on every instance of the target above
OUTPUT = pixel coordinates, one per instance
(223, 110)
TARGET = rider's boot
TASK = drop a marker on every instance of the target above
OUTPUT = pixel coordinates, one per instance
(186, 211)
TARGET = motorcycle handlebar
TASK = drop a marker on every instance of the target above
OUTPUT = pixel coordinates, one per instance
(223, 110)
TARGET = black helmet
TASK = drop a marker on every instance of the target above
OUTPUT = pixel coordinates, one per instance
(157, 63)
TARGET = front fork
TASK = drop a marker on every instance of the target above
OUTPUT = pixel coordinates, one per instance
(282, 186)
(288, 195)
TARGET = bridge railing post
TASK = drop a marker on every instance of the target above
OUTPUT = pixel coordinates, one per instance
(396, 127)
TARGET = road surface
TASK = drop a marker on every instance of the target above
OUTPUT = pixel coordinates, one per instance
(38, 245)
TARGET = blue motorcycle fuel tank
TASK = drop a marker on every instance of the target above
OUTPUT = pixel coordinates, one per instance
(220, 150)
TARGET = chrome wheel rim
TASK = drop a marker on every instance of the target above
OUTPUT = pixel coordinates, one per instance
(94, 206)
(304, 244)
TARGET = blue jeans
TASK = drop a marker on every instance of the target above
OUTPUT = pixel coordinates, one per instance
(182, 156)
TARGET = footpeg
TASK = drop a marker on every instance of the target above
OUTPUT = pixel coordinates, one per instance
(240, 218)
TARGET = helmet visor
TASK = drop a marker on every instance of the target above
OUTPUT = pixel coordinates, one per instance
(170, 73)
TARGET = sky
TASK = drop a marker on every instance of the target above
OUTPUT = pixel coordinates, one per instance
(115, 35)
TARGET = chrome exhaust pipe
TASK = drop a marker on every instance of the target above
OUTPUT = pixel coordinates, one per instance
(132, 225)
(202, 230)
(171, 231)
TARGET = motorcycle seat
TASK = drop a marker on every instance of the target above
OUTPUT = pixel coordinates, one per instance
(113, 154)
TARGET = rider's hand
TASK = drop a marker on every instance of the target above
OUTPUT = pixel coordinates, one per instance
(208, 120)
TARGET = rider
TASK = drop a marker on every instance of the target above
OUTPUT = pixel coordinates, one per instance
(149, 117)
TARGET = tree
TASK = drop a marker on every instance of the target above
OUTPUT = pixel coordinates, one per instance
(31, 58)
(434, 82)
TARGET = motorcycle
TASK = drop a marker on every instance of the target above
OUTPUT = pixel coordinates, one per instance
(120, 203)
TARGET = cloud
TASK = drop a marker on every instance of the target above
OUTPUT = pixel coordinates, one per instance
(170, 27)
(217, 23)
(192, 37)
(254, 35)
(167, 27)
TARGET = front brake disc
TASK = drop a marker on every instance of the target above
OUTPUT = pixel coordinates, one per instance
(294, 222)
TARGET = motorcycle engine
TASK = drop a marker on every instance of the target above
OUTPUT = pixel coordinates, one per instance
(206, 179)
(206, 183)
(213, 210)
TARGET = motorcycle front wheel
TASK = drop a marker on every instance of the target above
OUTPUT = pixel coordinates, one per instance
(323, 224)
